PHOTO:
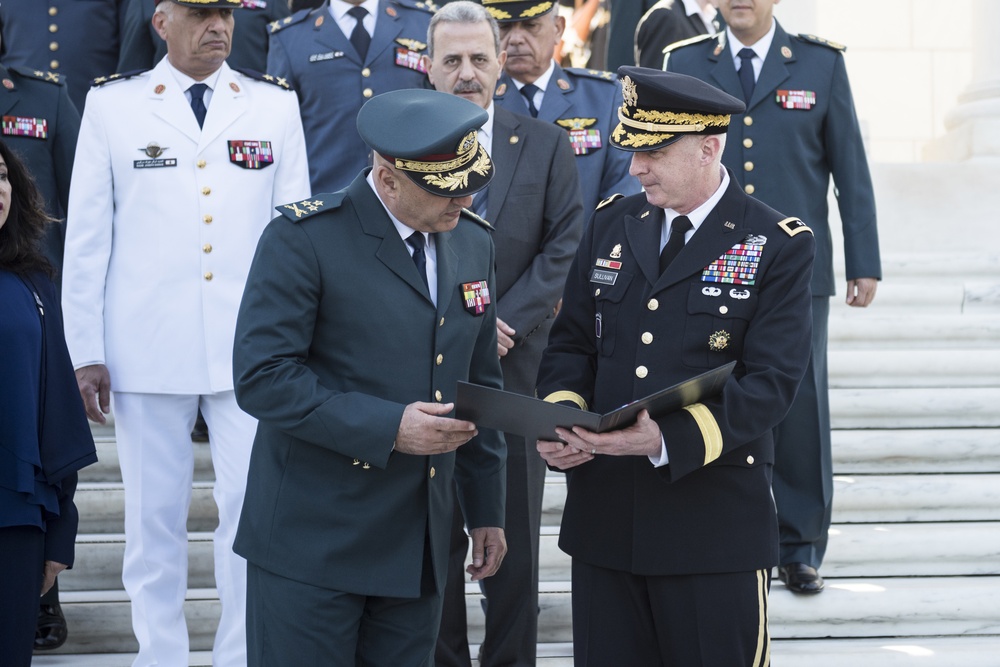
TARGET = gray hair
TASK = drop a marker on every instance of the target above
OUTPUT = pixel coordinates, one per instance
(462, 12)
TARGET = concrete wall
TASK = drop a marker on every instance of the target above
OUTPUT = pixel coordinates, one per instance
(908, 61)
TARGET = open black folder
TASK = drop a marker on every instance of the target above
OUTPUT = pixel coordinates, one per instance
(535, 419)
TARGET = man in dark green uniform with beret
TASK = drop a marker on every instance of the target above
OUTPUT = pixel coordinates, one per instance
(670, 521)
(363, 309)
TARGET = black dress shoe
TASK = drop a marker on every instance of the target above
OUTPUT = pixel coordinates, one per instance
(801, 578)
(200, 431)
(50, 633)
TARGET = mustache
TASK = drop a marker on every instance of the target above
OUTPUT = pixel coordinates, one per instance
(467, 87)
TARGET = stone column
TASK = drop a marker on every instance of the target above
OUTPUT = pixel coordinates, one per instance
(974, 124)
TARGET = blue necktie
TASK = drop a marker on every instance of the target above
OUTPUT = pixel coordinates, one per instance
(746, 73)
(360, 38)
(416, 241)
(529, 90)
(198, 102)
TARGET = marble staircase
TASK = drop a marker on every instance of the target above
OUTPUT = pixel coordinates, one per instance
(913, 567)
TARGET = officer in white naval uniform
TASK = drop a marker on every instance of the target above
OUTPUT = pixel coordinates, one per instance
(165, 219)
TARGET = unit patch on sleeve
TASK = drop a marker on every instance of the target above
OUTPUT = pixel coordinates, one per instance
(250, 154)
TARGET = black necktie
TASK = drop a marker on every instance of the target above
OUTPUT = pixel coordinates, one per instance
(746, 73)
(198, 102)
(529, 91)
(675, 241)
(360, 38)
(416, 241)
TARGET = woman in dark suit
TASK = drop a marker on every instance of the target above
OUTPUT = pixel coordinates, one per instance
(44, 435)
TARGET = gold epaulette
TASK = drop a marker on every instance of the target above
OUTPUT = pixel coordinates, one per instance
(609, 200)
(822, 42)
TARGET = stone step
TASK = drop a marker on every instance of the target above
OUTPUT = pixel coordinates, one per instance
(107, 470)
(932, 295)
(964, 548)
(936, 267)
(874, 498)
(856, 550)
(871, 607)
(102, 508)
(929, 450)
(885, 652)
(893, 369)
(957, 407)
(869, 328)
(99, 562)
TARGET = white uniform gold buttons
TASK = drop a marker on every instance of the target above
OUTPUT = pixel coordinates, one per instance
(207, 219)
(206, 190)
(207, 248)
(652, 304)
(208, 275)
(201, 164)
(641, 372)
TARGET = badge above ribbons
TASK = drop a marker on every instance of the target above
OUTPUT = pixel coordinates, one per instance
(582, 138)
(250, 154)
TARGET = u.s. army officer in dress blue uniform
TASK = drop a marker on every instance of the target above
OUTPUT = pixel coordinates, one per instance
(40, 123)
(164, 217)
(670, 523)
(584, 103)
(313, 51)
(350, 342)
(800, 129)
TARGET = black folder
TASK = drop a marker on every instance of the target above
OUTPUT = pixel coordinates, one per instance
(536, 419)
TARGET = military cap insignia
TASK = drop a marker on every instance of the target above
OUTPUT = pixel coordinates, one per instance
(795, 99)
(822, 42)
(279, 81)
(609, 200)
(23, 126)
(628, 91)
(738, 266)
(718, 341)
(307, 207)
(475, 296)
(250, 154)
(793, 226)
(582, 137)
(120, 76)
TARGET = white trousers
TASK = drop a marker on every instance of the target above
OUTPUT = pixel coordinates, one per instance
(157, 462)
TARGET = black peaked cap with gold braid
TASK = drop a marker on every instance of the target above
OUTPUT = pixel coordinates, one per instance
(430, 137)
(661, 107)
(508, 11)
